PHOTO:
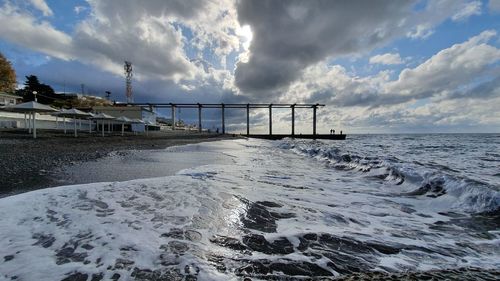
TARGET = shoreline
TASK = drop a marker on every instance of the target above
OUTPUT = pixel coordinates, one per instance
(29, 164)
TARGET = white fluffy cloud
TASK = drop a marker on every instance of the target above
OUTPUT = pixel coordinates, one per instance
(455, 84)
(469, 9)
(42, 7)
(26, 30)
(435, 12)
(389, 59)
(150, 34)
(448, 70)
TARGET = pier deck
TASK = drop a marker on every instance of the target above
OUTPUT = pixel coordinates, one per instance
(306, 136)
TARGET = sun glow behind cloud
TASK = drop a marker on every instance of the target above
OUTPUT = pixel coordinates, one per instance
(246, 35)
(245, 32)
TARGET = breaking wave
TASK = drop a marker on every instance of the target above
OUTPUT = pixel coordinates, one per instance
(414, 178)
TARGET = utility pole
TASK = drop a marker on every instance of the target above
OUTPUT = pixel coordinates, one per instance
(128, 81)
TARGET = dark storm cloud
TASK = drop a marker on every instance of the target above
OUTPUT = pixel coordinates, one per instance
(291, 35)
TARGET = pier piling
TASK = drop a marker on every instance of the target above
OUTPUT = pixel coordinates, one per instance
(199, 118)
(270, 119)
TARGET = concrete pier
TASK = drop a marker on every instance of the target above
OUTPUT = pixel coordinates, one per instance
(248, 106)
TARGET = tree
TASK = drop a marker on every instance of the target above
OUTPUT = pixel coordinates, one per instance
(7, 76)
(45, 93)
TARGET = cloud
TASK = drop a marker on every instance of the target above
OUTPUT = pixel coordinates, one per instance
(494, 5)
(450, 73)
(389, 59)
(290, 36)
(150, 34)
(422, 24)
(42, 7)
(448, 70)
(469, 9)
(25, 30)
(79, 9)
(421, 31)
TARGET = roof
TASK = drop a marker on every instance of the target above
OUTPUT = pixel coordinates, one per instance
(73, 113)
(10, 96)
(103, 116)
(120, 108)
(123, 119)
(31, 106)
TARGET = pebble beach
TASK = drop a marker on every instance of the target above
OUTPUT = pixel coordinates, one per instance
(29, 164)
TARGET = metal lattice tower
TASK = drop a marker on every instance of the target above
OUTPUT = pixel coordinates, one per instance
(128, 81)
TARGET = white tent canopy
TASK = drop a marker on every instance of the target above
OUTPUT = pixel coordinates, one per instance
(73, 113)
(123, 120)
(32, 108)
(103, 117)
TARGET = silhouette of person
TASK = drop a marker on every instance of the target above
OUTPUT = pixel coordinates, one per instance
(333, 132)
(341, 132)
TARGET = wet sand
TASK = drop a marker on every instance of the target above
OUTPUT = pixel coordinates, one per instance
(29, 164)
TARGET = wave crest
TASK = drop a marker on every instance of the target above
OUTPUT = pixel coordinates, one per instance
(427, 180)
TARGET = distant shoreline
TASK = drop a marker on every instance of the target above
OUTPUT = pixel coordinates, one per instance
(28, 164)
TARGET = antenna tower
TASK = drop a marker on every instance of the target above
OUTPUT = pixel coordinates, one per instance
(128, 81)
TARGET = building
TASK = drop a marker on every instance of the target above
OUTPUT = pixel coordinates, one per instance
(7, 99)
(132, 112)
(164, 121)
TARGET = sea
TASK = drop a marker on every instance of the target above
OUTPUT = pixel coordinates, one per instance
(249, 209)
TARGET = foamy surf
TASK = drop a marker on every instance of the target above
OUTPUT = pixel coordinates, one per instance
(265, 213)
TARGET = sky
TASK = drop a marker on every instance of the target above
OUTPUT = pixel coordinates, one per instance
(379, 66)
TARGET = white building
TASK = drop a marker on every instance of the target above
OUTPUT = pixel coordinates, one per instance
(6, 99)
(132, 112)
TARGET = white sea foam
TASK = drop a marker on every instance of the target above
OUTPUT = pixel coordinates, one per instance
(168, 223)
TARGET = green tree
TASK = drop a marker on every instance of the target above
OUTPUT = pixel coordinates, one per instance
(7, 76)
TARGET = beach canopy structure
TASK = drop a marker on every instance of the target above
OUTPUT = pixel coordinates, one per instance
(103, 117)
(123, 120)
(31, 108)
(90, 117)
(73, 113)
